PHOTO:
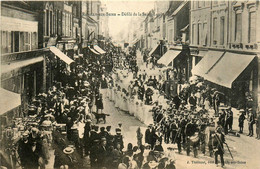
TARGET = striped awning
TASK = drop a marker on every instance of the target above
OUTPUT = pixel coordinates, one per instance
(61, 55)
(9, 100)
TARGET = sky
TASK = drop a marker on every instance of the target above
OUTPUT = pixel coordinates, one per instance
(118, 23)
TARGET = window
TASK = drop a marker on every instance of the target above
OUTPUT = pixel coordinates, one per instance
(199, 33)
(193, 33)
(238, 27)
(164, 30)
(222, 30)
(63, 24)
(215, 29)
(34, 40)
(170, 35)
(4, 42)
(54, 22)
(22, 41)
(51, 23)
(47, 23)
(252, 27)
(98, 9)
(27, 43)
(205, 33)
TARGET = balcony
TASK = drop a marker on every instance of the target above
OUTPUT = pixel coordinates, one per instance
(17, 56)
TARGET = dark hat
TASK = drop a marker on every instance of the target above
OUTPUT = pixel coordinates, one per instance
(102, 128)
(118, 130)
(96, 128)
(108, 128)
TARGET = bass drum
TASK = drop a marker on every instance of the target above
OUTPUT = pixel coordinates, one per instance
(194, 139)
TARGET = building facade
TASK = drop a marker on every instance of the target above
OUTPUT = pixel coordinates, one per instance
(221, 31)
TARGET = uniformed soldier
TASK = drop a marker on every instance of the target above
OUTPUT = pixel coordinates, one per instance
(218, 140)
(173, 129)
(182, 126)
(118, 138)
(190, 130)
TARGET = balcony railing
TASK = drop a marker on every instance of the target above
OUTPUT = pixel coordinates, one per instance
(16, 56)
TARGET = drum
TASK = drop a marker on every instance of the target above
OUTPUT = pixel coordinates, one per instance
(194, 139)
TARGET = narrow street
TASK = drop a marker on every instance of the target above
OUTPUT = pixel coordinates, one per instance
(176, 81)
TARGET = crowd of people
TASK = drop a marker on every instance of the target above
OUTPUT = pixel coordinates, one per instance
(66, 120)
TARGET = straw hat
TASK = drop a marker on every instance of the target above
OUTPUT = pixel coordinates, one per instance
(68, 150)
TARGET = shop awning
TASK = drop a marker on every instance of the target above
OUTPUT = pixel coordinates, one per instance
(9, 100)
(93, 51)
(168, 57)
(97, 48)
(153, 50)
(206, 63)
(61, 55)
(19, 64)
(229, 67)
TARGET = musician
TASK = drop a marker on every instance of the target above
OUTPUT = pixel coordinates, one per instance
(217, 141)
(183, 122)
(202, 134)
(167, 132)
(190, 130)
(178, 136)
(173, 129)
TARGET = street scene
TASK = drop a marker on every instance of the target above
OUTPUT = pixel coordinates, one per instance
(100, 84)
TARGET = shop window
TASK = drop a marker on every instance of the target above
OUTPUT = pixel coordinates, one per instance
(222, 30)
(238, 27)
(252, 27)
(215, 29)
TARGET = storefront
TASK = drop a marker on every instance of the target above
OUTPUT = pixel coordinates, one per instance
(231, 73)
